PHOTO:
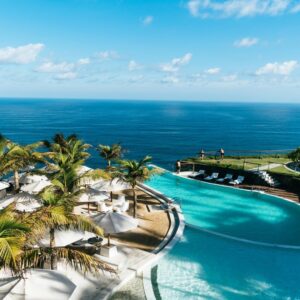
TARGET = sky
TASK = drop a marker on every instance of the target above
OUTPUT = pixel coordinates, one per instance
(209, 50)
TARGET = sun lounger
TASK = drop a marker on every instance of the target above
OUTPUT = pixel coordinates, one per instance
(102, 207)
(195, 174)
(239, 180)
(227, 177)
(212, 177)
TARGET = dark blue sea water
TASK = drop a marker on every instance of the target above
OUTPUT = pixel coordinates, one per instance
(165, 130)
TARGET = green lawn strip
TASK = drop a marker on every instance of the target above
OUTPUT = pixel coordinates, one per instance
(246, 163)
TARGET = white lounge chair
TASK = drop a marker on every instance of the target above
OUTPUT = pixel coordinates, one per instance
(195, 174)
(212, 176)
(227, 177)
(239, 180)
(102, 207)
(124, 207)
(119, 201)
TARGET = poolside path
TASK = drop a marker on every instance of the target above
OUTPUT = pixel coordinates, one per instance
(267, 167)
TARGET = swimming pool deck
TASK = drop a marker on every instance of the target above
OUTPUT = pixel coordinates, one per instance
(129, 263)
(287, 195)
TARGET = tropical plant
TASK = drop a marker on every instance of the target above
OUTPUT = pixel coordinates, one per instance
(55, 214)
(110, 153)
(12, 241)
(295, 155)
(18, 157)
(66, 157)
(133, 172)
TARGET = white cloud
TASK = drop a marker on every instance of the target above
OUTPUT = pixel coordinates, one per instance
(134, 66)
(237, 8)
(212, 71)
(107, 55)
(20, 55)
(284, 68)
(246, 42)
(61, 71)
(84, 61)
(230, 78)
(176, 63)
(295, 9)
(66, 76)
(193, 7)
(148, 20)
(170, 79)
(50, 67)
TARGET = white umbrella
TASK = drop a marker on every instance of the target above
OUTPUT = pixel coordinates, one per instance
(111, 186)
(113, 222)
(114, 185)
(65, 237)
(24, 202)
(92, 195)
(3, 185)
(82, 170)
(29, 178)
(35, 187)
(41, 284)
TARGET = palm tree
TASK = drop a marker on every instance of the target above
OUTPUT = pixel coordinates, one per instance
(133, 172)
(12, 240)
(19, 157)
(66, 158)
(110, 153)
(4, 142)
(56, 215)
(68, 150)
(295, 155)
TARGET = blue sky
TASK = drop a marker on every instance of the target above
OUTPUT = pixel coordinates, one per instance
(237, 50)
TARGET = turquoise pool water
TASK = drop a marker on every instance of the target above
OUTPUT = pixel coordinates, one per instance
(206, 266)
(237, 213)
(203, 266)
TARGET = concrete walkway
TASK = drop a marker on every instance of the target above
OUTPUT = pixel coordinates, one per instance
(266, 167)
(129, 263)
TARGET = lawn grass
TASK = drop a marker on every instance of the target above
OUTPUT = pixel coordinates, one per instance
(284, 171)
(245, 163)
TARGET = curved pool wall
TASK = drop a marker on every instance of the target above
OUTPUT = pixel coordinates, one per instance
(245, 215)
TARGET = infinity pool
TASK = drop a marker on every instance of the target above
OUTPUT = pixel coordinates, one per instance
(238, 213)
(204, 266)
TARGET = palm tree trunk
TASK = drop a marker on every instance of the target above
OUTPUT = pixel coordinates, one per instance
(52, 245)
(134, 202)
(17, 180)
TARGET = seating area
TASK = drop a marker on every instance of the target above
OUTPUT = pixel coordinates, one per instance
(119, 205)
(214, 177)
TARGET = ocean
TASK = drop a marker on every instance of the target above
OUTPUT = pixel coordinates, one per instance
(163, 129)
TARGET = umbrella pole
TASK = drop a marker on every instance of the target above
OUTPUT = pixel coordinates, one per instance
(111, 196)
(108, 240)
(89, 207)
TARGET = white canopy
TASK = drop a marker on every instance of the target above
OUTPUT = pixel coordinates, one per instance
(114, 185)
(3, 185)
(24, 202)
(35, 187)
(28, 178)
(92, 195)
(65, 237)
(42, 284)
(113, 222)
(83, 169)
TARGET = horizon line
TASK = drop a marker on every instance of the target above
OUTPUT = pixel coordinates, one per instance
(147, 100)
